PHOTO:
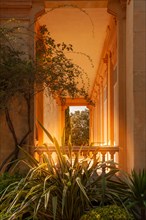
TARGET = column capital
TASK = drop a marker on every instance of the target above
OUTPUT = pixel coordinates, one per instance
(64, 107)
(117, 8)
(90, 107)
(16, 4)
(123, 3)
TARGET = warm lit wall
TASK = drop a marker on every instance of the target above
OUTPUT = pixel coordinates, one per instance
(104, 93)
(24, 13)
(129, 85)
(52, 118)
(17, 106)
(136, 84)
(128, 116)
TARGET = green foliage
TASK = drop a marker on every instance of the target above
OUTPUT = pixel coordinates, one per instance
(55, 189)
(6, 179)
(65, 188)
(62, 76)
(108, 188)
(80, 128)
(136, 200)
(138, 187)
(51, 69)
(51, 190)
(15, 70)
(22, 76)
(108, 212)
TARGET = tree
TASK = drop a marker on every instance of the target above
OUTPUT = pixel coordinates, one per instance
(22, 76)
(80, 127)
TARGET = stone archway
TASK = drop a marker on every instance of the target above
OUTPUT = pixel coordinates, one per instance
(109, 89)
(126, 65)
(82, 4)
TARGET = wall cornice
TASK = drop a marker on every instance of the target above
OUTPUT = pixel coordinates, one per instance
(78, 3)
(117, 7)
(123, 3)
(15, 4)
(109, 48)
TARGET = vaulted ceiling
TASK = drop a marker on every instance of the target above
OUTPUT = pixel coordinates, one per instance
(82, 24)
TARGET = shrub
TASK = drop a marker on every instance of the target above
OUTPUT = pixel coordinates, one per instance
(6, 179)
(49, 190)
(136, 194)
(109, 212)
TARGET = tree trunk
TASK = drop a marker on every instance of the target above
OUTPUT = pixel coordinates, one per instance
(13, 156)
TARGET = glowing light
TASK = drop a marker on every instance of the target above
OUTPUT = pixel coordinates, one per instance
(109, 142)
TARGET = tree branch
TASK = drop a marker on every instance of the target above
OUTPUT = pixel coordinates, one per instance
(10, 125)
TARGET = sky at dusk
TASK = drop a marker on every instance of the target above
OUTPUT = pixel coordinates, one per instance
(77, 108)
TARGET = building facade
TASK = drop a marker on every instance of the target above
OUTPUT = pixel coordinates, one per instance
(118, 90)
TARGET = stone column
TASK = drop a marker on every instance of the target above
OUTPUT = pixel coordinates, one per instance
(117, 9)
(102, 111)
(91, 123)
(121, 68)
(110, 98)
(63, 108)
(136, 84)
(96, 121)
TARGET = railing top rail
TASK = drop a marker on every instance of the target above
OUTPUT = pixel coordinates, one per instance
(104, 148)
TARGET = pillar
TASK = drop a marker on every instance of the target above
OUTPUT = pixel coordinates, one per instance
(136, 84)
(110, 99)
(116, 8)
(91, 124)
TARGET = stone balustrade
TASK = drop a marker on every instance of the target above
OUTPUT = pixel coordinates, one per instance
(101, 153)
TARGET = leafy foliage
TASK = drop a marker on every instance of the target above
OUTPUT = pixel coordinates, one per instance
(62, 74)
(136, 201)
(22, 76)
(49, 189)
(80, 128)
(108, 212)
(15, 71)
(54, 189)
(6, 179)
(51, 69)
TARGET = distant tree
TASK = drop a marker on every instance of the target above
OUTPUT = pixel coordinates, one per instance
(80, 127)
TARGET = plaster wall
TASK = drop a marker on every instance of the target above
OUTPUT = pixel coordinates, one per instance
(116, 116)
(18, 116)
(129, 85)
(22, 15)
(96, 121)
(139, 82)
(136, 84)
(105, 122)
(17, 106)
(52, 119)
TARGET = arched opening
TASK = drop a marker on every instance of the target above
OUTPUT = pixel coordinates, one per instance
(77, 120)
(78, 24)
(113, 86)
(84, 26)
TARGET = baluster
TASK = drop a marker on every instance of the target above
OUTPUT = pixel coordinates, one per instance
(85, 154)
(103, 156)
(94, 157)
(112, 153)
